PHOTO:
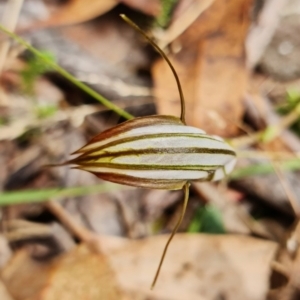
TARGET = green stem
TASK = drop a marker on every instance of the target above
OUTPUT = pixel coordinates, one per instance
(31, 196)
(68, 76)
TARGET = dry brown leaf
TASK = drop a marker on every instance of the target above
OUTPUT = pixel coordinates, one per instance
(80, 274)
(200, 266)
(74, 12)
(4, 295)
(148, 7)
(211, 66)
(78, 11)
(20, 276)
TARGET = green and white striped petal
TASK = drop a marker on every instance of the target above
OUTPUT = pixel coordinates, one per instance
(156, 152)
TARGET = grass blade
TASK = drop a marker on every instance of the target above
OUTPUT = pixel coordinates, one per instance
(68, 75)
(30, 196)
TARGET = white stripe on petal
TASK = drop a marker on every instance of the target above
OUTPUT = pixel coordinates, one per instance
(178, 159)
(142, 131)
(153, 174)
(168, 142)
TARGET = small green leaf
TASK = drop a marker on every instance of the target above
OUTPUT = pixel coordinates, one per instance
(269, 134)
(293, 96)
(35, 68)
(207, 219)
(46, 111)
(167, 6)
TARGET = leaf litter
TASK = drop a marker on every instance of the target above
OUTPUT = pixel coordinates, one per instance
(105, 247)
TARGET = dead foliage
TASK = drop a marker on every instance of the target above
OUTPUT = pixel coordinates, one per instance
(237, 62)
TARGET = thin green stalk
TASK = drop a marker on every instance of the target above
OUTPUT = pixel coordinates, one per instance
(263, 169)
(30, 196)
(68, 76)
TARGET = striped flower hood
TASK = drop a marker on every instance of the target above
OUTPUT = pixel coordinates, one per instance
(156, 152)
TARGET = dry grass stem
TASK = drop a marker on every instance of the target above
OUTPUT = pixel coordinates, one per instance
(180, 24)
(68, 221)
(287, 188)
(9, 20)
